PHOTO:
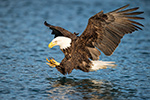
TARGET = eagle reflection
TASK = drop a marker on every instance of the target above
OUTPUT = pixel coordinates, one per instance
(68, 88)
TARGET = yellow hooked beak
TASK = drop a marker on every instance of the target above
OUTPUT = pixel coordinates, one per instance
(52, 45)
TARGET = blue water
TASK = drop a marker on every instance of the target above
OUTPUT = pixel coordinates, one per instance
(24, 74)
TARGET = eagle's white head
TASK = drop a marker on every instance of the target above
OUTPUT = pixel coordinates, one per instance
(63, 42)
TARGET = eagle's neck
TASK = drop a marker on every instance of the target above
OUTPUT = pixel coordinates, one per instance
(65, 46)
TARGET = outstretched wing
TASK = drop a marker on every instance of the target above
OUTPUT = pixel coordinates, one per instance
(106, 30)
(59, 31)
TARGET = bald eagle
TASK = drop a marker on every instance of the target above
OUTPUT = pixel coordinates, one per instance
(103, 32)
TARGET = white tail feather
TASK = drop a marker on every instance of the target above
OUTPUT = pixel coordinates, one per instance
(102, 65)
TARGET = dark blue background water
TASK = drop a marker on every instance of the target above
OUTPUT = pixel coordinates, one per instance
(23, 48)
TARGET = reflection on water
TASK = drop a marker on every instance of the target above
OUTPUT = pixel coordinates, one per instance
(67, 88)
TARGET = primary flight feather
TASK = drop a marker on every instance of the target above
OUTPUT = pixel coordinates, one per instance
(103, 32)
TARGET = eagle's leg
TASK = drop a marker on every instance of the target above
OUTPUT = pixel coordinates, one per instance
(51, 62)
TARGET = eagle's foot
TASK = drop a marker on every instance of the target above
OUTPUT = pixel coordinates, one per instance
(51, 62)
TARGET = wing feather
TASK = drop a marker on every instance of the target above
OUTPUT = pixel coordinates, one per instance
(59, 31)
(133, 13)
(107, 30)
(121, 8)
(130, 21)
(129, 10)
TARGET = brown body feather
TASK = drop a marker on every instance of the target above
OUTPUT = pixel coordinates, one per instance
(104, 31)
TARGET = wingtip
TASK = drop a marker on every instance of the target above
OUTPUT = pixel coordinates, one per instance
(121, 8)
(127, 5)
(46, 24)
(142, 12)
(136, 8)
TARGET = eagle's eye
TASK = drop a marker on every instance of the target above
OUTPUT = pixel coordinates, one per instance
(55, 42)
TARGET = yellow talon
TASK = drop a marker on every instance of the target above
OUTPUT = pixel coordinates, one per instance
(47, 60)
(51, 65)
(52, 62)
